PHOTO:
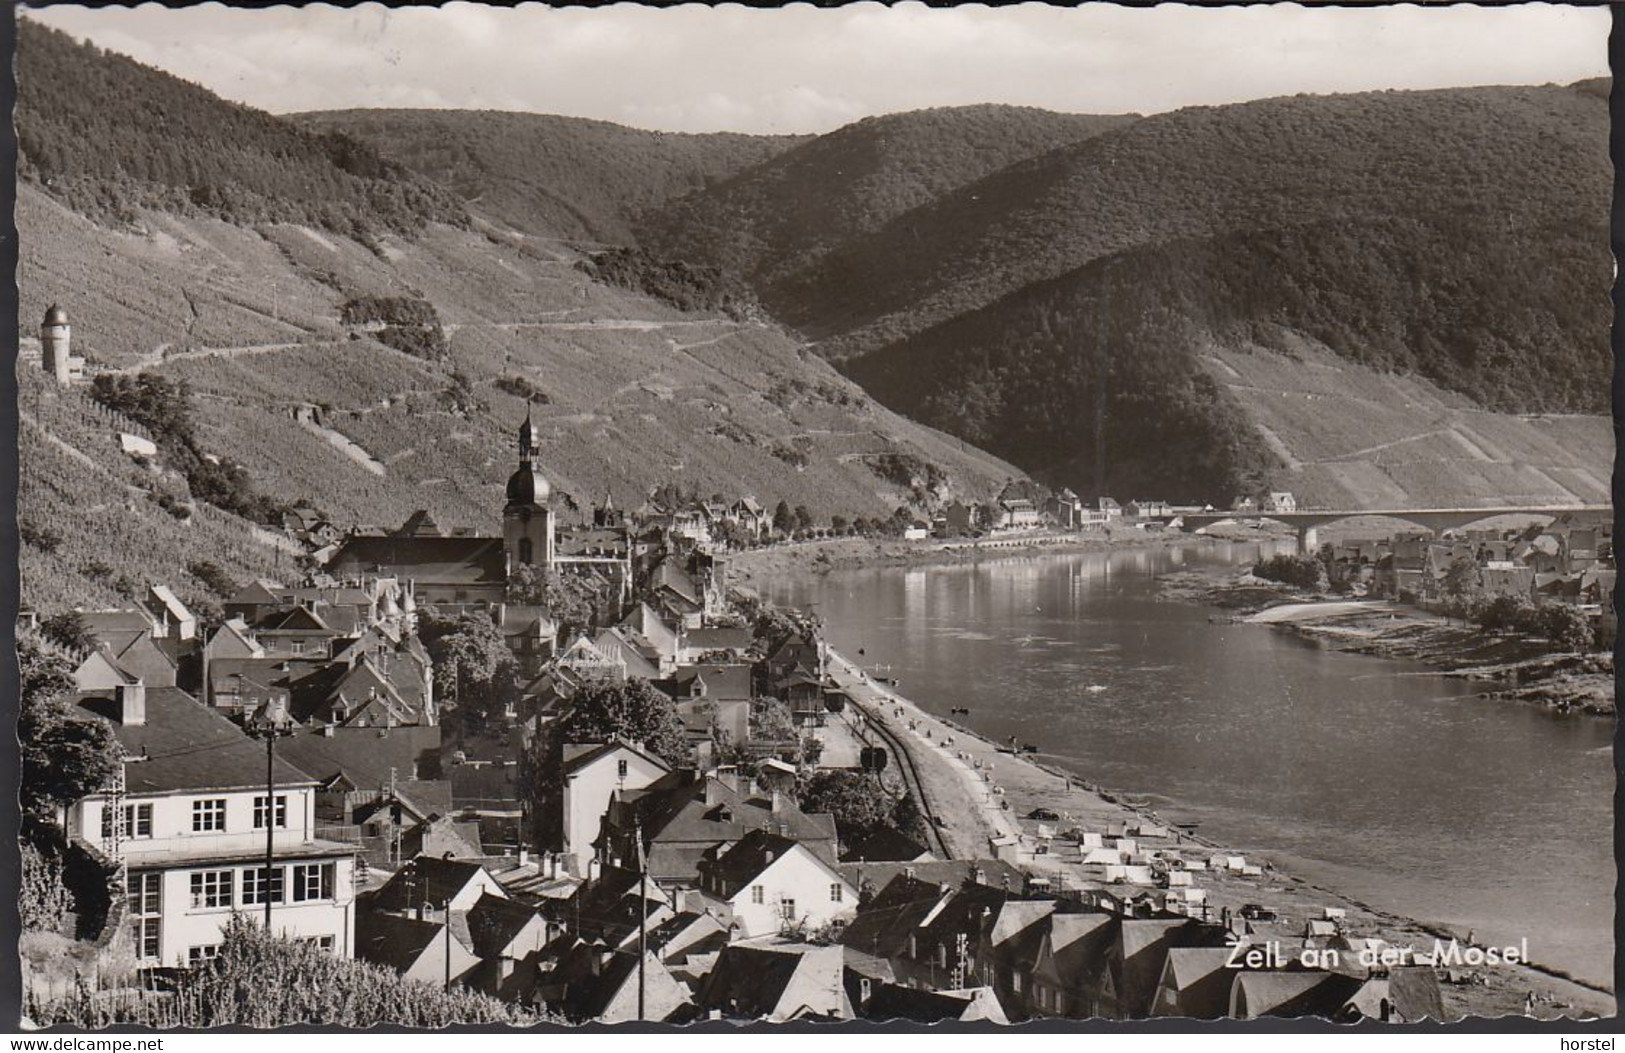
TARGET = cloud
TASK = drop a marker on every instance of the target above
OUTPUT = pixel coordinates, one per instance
(805, 69)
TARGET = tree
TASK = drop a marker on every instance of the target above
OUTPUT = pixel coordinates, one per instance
(65, 756)
(783, 522)
(837, 524)
(804, 519)
(1566, 627)
(859, 802)
(1504, 614)
(67, 631)
(770, 719)
(1461, 578)
(570, 600)
(632, 710)
(472, 663)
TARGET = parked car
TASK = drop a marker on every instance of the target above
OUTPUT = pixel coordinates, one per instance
(1046, 815)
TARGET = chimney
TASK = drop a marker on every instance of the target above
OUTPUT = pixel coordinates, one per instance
(778, 802)
(132, 703)
(981, 876)
(594, 868)
(524, 855)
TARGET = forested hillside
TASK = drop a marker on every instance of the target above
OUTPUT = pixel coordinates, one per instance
(776, 218)
(1532, 160)
(1056, 309)
(560, 177)
(108, 136)
(1106, 364)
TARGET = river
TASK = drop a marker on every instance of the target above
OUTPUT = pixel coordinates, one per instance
(1380, 779)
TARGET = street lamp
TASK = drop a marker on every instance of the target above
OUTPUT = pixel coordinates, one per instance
(271, 721)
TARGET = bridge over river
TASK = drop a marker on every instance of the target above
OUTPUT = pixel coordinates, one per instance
(1309, 520)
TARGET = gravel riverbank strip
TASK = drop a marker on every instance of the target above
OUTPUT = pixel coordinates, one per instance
(979, 790)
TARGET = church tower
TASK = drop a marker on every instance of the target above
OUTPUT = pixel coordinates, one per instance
(54, 341)
(527, 518)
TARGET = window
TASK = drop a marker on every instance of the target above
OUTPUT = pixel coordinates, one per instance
(527, 552)
(208, 815)
(324, 943)
(756, 895)
(1015, 982)
(942, 955)
(211, 888)
(835, 893)
(137, 821)
(148, 934)
(254, 885)
(788, 908)
(620, 768)
(196, 956)
(146, 893)
(312, 881)
(281, 812)
(146, 900)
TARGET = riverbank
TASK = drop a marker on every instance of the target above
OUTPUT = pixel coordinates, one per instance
(1510, 667)
(969, 780)
(853, 552)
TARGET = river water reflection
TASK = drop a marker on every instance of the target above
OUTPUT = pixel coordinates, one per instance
(1374, 777)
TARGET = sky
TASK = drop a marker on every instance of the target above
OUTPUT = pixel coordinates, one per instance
(800, 69)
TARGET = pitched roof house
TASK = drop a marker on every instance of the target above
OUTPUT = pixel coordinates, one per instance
(769, 882)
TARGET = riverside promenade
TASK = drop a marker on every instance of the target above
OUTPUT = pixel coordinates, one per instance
(977, 793)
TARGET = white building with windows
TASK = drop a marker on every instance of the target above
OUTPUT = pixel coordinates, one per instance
(593, 774)
(188, 826)
(767, 883)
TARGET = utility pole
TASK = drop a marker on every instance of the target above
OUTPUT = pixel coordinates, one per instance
(448, 943)
(643, 916)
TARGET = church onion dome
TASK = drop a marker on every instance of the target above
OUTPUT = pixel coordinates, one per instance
(55, 315)
(527, 486)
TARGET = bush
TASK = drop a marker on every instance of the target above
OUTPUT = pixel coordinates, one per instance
(43, 902)
(521, 388)
(264, 981)
(42, 538)
(687, 286)
(164, 408)
(213, 577)
(1301, 572)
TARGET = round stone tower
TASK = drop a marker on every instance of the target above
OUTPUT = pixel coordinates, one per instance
(55, 340)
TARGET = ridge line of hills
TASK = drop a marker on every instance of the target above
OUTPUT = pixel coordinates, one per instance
(1186, 306)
